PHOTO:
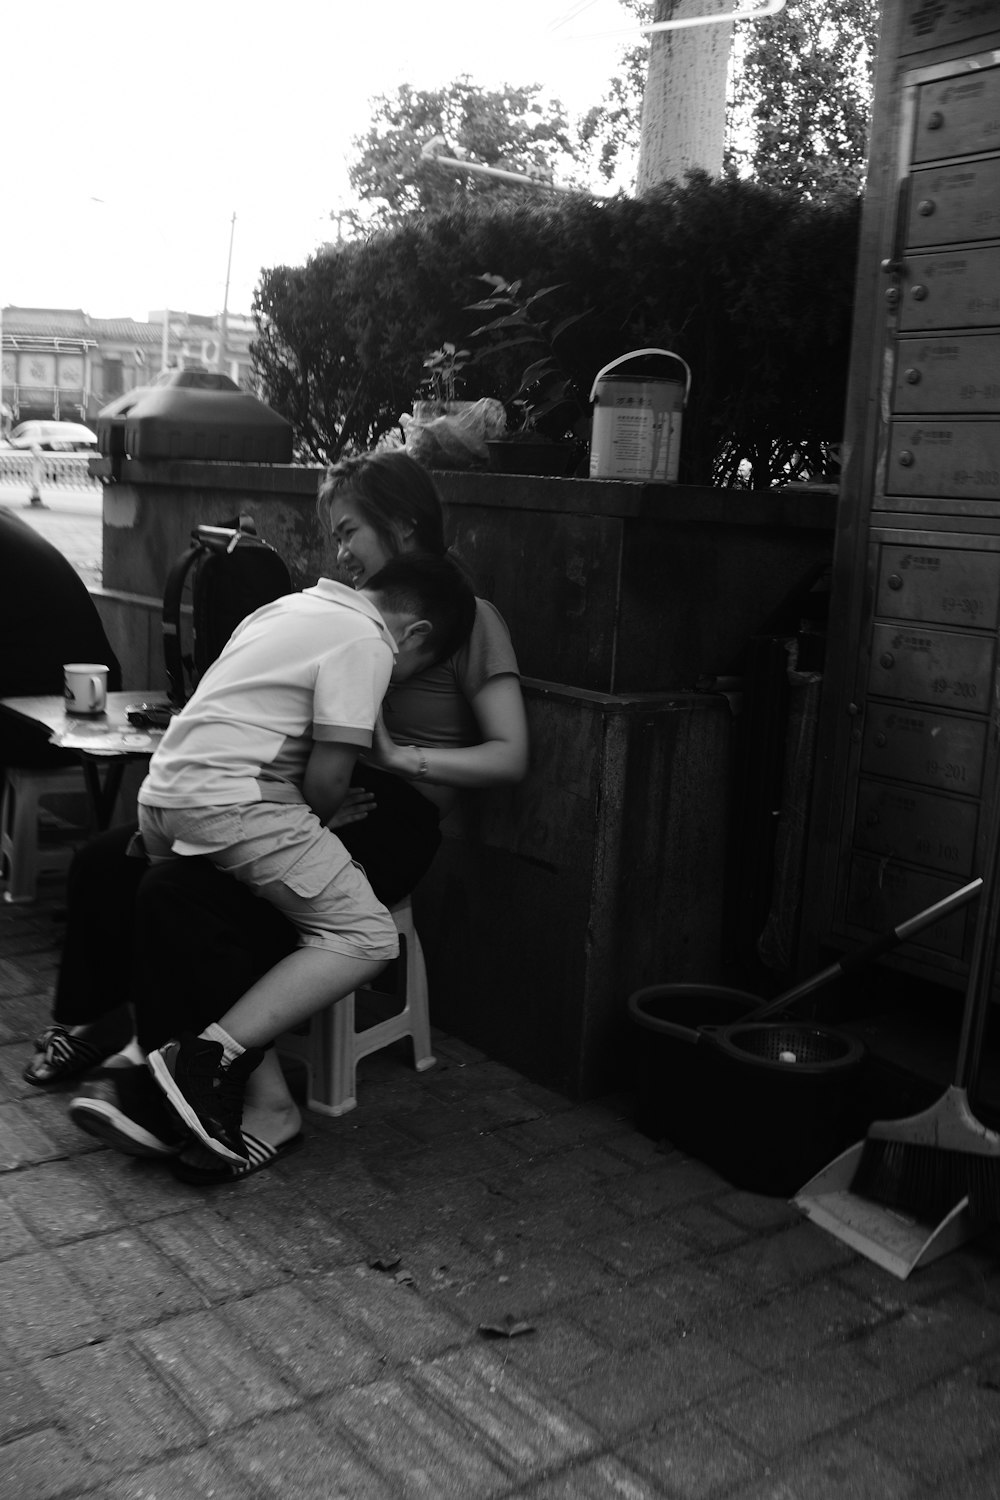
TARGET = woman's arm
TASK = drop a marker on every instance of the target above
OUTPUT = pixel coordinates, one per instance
(499, 759)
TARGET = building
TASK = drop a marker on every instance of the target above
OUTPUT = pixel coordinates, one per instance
(61, 363)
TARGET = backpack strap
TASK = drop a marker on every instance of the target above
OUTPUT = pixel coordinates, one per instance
(172, 593)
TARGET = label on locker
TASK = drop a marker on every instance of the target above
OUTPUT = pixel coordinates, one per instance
(880, 896)
(942, 668)
(960, 460)
(936, 23)
(917, 827)
(911, 744)
(945, 585)
(953, 289)
(957, 116)
(954, 203)
(948, 375)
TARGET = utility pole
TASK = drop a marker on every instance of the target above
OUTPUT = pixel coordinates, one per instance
(223, 329)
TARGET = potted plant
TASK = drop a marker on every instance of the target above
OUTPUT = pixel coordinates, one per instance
(547, 420)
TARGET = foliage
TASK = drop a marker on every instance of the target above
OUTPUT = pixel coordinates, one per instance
(610, 131)
(443, 377)
(508, 128)
(547, 400)
(802, 93)
(752, 285)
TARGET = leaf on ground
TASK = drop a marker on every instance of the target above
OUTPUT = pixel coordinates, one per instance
(385, 1262)
(507, 1328)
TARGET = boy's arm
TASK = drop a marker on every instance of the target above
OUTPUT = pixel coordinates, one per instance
(328, 775)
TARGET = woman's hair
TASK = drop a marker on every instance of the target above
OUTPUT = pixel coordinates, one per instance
(395, 495)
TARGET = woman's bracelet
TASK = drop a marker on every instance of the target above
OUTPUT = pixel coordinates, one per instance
(422, 765)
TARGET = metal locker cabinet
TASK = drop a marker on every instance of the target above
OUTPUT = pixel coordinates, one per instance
(905, 755)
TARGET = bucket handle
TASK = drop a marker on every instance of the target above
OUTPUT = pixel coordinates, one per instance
(636, 354)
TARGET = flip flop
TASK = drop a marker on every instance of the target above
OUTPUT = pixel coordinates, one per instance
(261, 1155)
(61, 1055)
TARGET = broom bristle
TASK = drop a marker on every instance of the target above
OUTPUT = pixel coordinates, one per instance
(928, 1181)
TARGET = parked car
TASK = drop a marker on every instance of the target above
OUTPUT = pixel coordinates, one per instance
(54, 437)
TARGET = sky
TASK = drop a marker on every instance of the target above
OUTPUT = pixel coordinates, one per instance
(137, 131)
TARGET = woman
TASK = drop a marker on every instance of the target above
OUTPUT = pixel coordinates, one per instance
(459, 725)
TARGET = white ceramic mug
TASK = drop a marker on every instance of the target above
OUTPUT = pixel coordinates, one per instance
(86, 687)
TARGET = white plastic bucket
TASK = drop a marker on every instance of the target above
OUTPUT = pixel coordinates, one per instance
(636, 431)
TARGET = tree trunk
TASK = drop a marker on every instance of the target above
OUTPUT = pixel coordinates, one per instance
(684, 105)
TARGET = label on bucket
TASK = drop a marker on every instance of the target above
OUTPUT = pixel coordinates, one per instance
(636, 434)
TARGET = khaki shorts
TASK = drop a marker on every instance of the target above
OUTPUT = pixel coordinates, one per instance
(284, 853)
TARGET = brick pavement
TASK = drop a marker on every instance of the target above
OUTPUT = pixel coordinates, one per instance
(322, 1329)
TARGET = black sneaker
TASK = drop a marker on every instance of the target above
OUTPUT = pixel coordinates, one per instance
(207, 1095)
(124, 1108)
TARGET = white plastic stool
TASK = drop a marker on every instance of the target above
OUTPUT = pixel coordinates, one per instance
(331, 1048)
(22, 855)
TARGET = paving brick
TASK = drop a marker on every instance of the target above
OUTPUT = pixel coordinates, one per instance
(839, 1470)
(941, 1429)
(22, 1404)
(311, 1348)
(60, 1203)
(757, 1210)
(130, 1282)
(196, 1476)
(634, 1388)
(44, 1312)
(44, 1464)
(791, 1325)
(808, 1398)
(15, 1236)
(299, 1236)
(685, 1296)
(444, 1160)
(219, 1378)
(392, 1317)
(23, 1141)
(928, 1341)
(114, 1406)
(418, 1448)
(293, 1457)
(604, 1478)
(139, 1187)
(763, 1266)
(665, 1187)
(526, 1427)
(217, 1258)
(558, 1351)
(49, 1113)
(637, 1249)
(689, 1456)
(503, 1231)
(529, 1286)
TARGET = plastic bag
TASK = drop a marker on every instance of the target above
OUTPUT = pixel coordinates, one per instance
(454, 439)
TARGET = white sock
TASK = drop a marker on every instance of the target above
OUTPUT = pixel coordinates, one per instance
(231, 1048)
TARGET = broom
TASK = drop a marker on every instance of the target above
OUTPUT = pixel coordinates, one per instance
(927, 1163)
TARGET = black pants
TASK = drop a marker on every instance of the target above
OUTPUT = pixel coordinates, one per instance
(182, 941)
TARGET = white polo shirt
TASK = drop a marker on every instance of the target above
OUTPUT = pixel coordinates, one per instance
(310, 666)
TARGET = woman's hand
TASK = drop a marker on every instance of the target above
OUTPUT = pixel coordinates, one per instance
(357, 804)
(385, 753)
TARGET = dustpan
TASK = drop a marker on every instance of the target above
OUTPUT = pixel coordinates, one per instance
(893, 1240)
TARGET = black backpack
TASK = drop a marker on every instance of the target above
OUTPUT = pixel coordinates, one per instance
(231, 572)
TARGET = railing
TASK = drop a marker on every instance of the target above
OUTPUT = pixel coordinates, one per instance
(35, 471)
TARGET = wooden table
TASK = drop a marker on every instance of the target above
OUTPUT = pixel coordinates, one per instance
(104, 742)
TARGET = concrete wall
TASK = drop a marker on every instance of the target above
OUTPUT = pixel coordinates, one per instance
(605, 870)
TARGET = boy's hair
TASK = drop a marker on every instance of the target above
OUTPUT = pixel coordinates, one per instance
(432, 589)
(393, 493)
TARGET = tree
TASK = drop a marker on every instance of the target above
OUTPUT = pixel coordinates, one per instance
(801, 97)
(509, 128)
(684, 105)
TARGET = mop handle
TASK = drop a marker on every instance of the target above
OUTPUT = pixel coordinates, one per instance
(872, 950)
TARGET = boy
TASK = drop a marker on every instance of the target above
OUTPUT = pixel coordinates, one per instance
(248, 776)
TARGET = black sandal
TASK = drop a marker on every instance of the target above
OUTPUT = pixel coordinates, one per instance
(61, 1055)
